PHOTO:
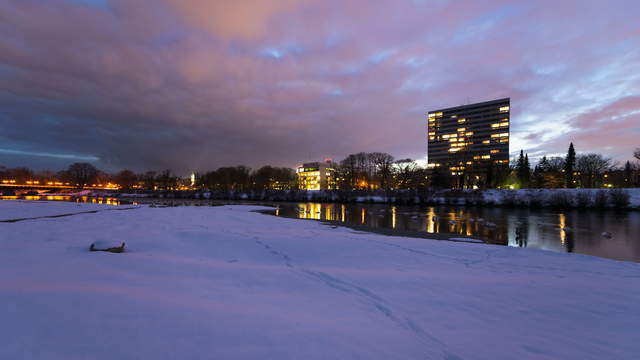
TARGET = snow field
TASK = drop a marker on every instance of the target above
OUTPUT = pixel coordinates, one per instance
(228, 283)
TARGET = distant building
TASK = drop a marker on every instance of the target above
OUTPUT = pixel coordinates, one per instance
(464, 141)
(316, 176)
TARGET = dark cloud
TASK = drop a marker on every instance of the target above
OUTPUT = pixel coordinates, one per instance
(193, 85)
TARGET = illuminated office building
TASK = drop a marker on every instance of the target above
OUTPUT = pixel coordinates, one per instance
(316, 176)
(465, 140)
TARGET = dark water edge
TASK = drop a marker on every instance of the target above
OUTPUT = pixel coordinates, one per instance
(613, 234)
(606, 233)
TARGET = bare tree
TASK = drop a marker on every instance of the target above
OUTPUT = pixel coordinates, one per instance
(555, 164)
(405, 173)
(126, 179)
(348, 171)
(383, 164)
(636, 154)
(46, 176)
(591, 167)
(365, 169)
(148, 179)
(166, 180)
(268, 177)
(20, 174)
(81, 174)
(549, 172)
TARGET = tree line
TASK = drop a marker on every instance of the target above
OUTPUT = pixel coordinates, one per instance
(363, 171)
(589, 170)
(83, 175)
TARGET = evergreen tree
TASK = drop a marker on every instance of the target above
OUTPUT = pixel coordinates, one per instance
(520, 168)
(628, 174)
(520, 162)
(569, 166)
(526, 172)
(539, 172)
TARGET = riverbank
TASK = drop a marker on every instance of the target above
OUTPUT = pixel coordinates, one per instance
(622, 199)
(533, 198)
(226, 282)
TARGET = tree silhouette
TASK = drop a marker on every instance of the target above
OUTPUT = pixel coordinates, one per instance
(81, 174)
(569, 166)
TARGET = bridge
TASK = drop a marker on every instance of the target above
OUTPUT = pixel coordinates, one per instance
(53, 185)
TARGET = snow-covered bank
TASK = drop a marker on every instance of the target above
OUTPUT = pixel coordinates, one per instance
(538, 198)
(226, 283)
(586, 198)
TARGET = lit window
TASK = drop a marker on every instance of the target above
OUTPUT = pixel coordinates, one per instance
(432, 115)
(486, 141)
(469, 133)
(504, 140)
(461, 129)
(432, 137)
(495, 151)
(504, 109)
(438, 114)
(460, 121)
(486, 156)
(432, 133)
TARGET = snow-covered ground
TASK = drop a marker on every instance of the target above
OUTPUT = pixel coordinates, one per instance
(227, 283)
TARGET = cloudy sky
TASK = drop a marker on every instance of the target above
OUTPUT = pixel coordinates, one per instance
(198, 84)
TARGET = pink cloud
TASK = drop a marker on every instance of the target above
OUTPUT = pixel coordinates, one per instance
(283, 81)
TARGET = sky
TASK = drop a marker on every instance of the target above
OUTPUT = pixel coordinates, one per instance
(193, 85)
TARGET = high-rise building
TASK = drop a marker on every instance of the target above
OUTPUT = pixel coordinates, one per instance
(464, 141)
(316, 176)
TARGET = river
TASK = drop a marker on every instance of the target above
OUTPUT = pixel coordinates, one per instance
(608, 234)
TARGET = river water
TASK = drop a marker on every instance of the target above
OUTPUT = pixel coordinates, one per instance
(609, 234)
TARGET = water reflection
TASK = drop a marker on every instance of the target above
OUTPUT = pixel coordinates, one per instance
(78, 199)
(565, 231)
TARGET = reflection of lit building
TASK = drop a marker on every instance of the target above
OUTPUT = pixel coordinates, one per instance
(468, 138)
(316, 176)
(317, 211)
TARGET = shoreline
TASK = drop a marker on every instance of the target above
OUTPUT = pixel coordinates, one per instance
(627, 199)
